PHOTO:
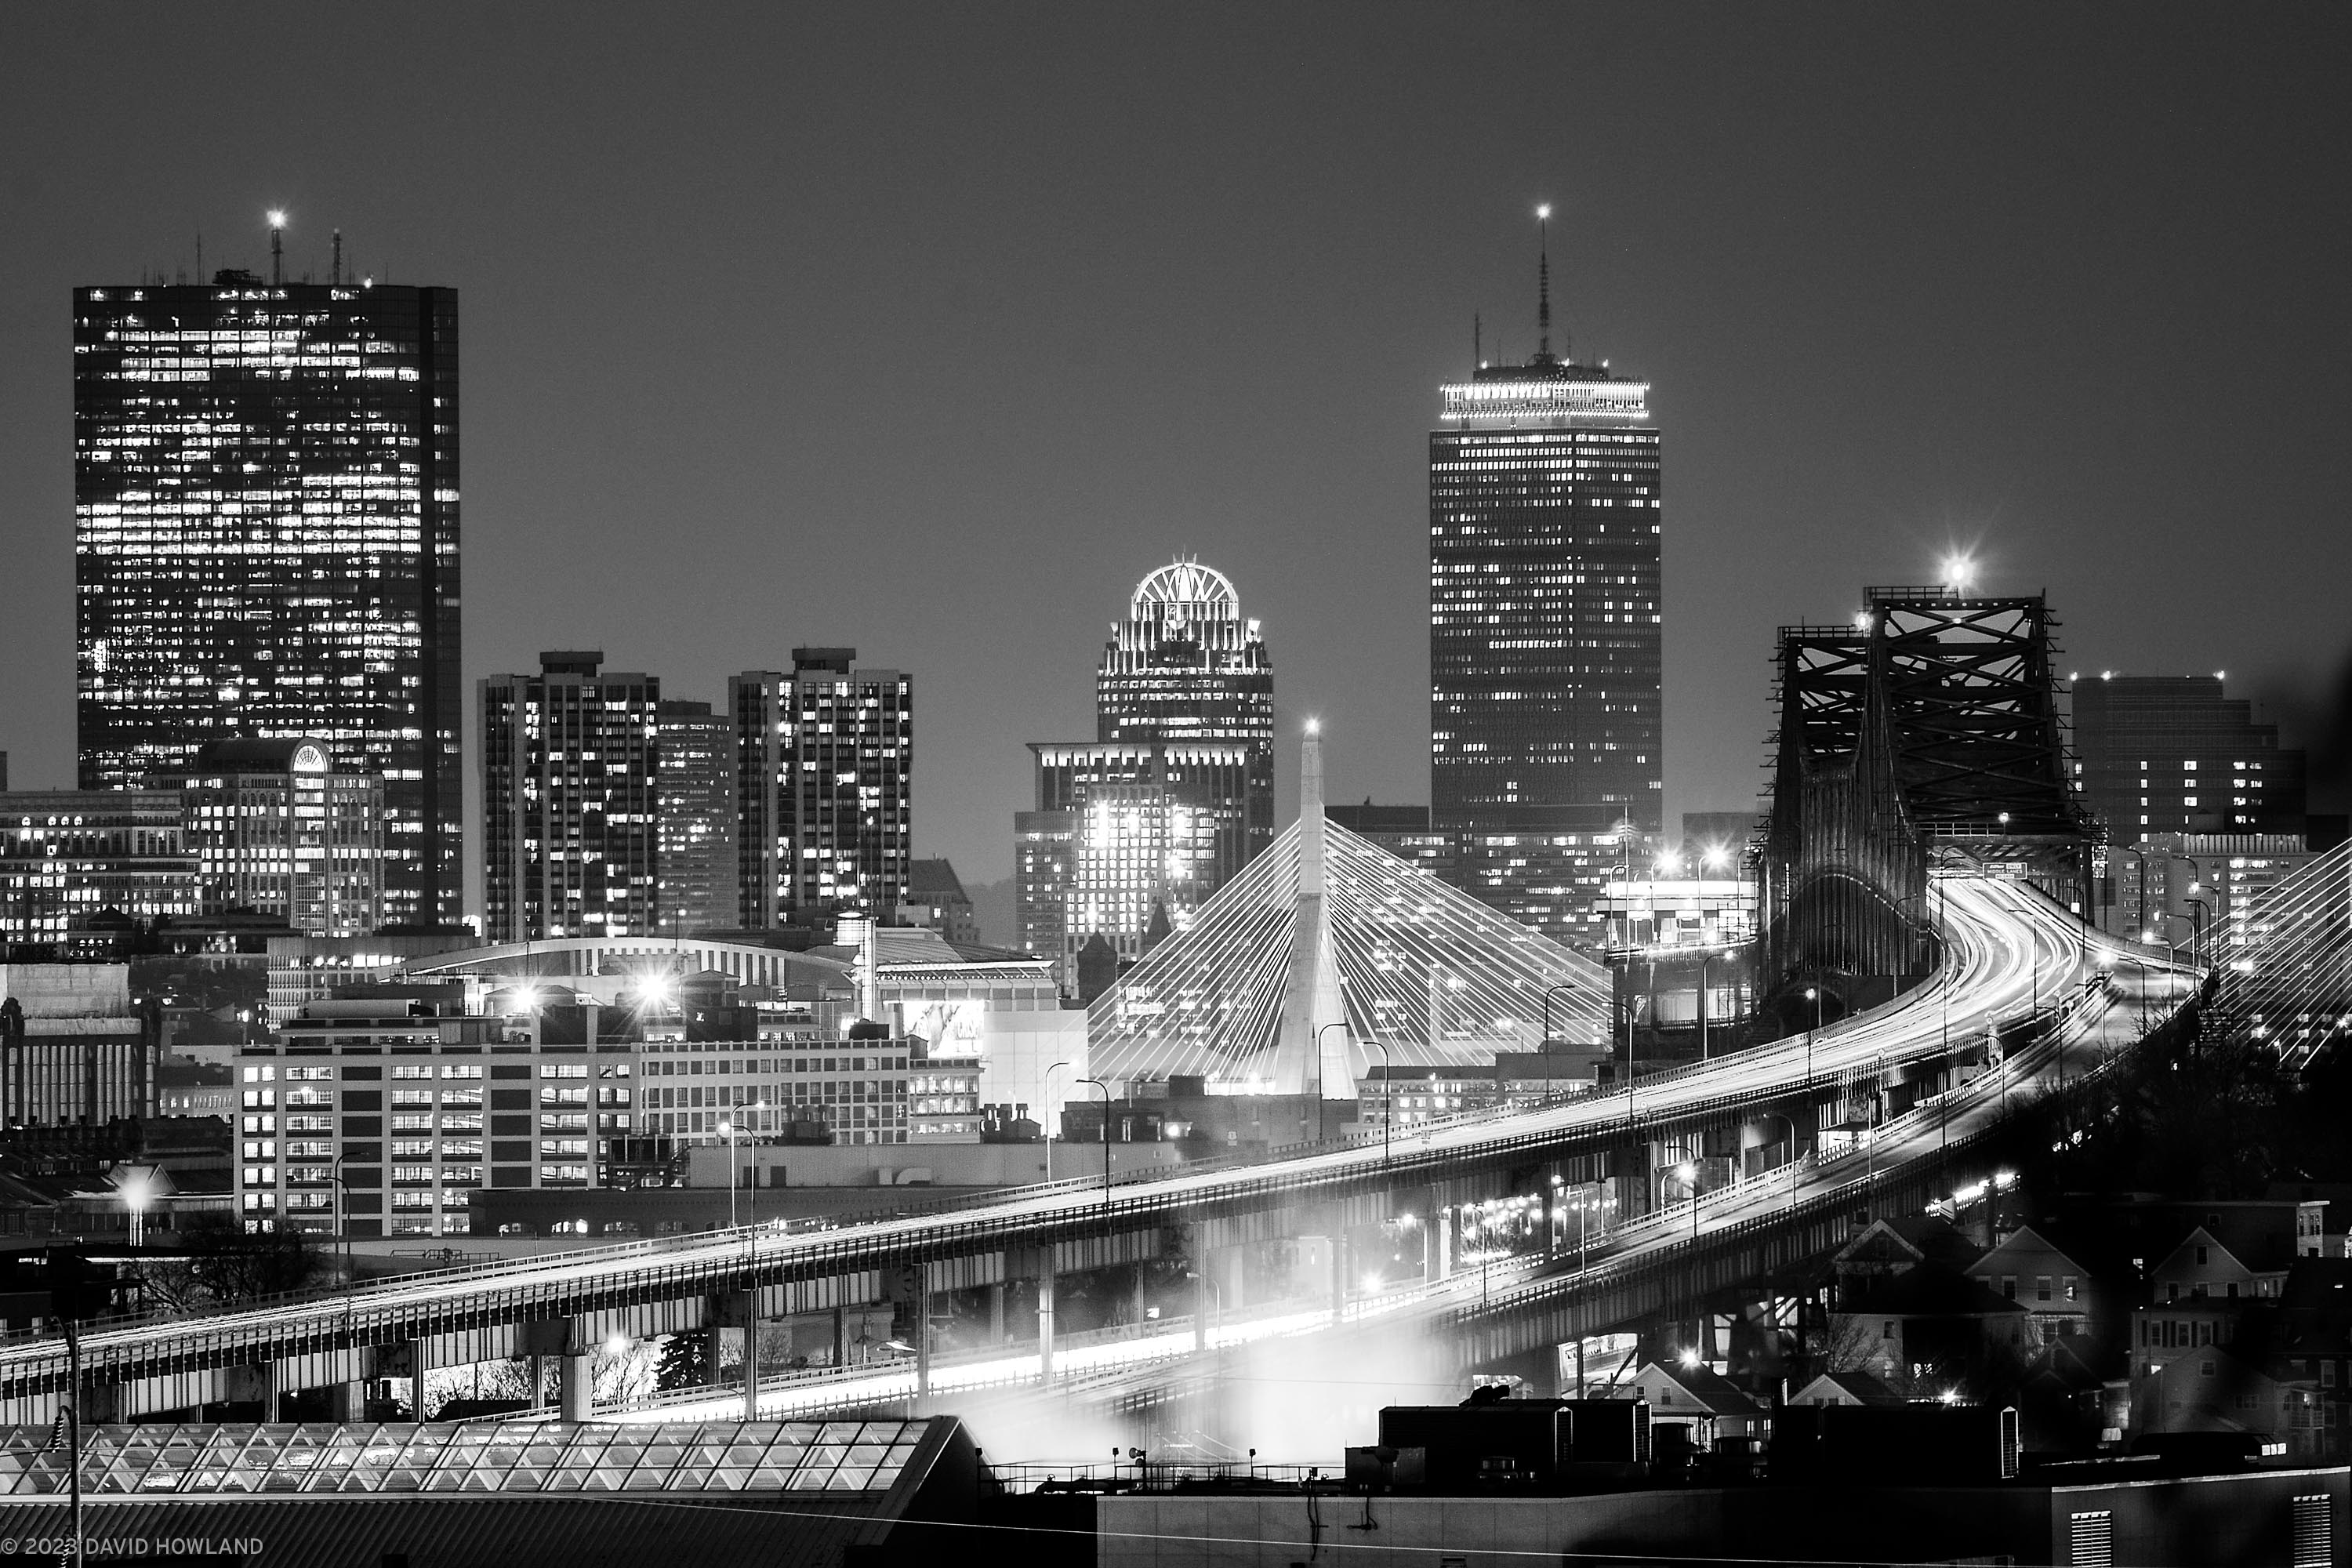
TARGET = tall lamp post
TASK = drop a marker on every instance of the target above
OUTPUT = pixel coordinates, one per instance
(1388, 1102)
(728, 1130)
(1320, 1033)
(1053, 1110)
(1106, 1136)
(1812, 994)
(1550, 991)
(2201, 913)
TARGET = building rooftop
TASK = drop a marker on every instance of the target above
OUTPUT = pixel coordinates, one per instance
(478, 1458)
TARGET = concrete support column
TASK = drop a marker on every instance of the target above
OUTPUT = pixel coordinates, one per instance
(575, 1390)
(1340, 1264)
(1233, 1278)
(923, 1336)
(1142, 1278)
(840, 1337)
(1551, 1216)
(1437, 1246)
(1201, 1304)
(745, 1309)
(713, 1375)
(419, 1363)
(1046, 1325)
(347, 1402)
(996, 1313)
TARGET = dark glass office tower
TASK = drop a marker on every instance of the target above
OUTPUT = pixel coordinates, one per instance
(265, 535)
(1544, 634)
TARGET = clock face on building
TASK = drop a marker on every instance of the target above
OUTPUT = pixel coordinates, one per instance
(308, 759)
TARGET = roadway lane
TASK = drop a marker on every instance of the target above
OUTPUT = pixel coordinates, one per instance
(2005, 946)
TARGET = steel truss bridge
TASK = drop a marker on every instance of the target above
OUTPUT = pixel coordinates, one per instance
(1924, 734)
(2010, 958)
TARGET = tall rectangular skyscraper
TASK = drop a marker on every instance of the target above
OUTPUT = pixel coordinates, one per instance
(571, 763)
(266, 543)
(1544, 638)
(824, 775)
(698, 818)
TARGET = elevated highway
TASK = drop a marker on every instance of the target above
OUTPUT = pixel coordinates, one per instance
(2010, 954)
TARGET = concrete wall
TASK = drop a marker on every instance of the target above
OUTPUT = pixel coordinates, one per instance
(947, 1164)
(2219, 1522)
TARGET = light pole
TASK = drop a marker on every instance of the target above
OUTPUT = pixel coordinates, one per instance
(1550, 991)
(1320, 1033)
(1051, 1109)
(728, 1130)
(1704, 960)
(1105, 1137)
(1388, 1102)
(1688, 1171)
(1812, 994)
(2203, 912)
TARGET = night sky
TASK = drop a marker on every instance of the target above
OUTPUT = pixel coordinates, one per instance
(932, 331)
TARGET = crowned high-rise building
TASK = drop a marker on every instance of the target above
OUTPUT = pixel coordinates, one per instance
(1133, 830)
(266, 541)
(1544, 631)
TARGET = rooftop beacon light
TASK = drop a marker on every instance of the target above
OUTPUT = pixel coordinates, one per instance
(1959, 572)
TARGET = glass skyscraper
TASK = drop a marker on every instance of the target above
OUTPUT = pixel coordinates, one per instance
(266, 541)
(1543, 634)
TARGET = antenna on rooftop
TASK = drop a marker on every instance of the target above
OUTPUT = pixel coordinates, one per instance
(1477, 353)
(277, 246)
(336, 276)
(1543, 281)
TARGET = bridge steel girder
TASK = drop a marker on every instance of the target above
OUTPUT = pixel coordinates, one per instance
(1930, 727)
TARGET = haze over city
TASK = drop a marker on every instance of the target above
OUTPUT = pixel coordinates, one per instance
(929, 332)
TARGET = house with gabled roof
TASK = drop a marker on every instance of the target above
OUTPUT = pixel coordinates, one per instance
(1698, 1396)
(2053, 1285)
(2202, 1266)
(1847, 1388)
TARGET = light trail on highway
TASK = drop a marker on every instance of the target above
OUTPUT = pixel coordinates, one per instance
(2006, 948)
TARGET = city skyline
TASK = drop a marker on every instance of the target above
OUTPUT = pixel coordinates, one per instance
(1826, 433)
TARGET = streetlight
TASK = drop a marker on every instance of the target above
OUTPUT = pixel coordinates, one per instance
(1704, 960)
(2203, 912)
(728, 1130)
(1688, 1171)
(1812, 994)
(1387, 1100)
(1550, 991)
(1050, 1110)
(1106, 1136)
(135, 1199)
(1320, 1033)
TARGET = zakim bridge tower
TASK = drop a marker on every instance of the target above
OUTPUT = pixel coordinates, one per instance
(1328, 955)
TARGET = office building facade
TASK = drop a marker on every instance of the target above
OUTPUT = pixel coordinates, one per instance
(279, 830)
(74, 1049)
(2158, 756)
(266, 543)
(570, 759)
(1545, 632)
(824, 781)
(67, 854)
(1133, 832)
(696, 818)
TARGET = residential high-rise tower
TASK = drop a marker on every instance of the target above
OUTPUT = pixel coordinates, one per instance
(823, 773)
(570, 759)
(1544, 640)
(698, 818)
(266, 536)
